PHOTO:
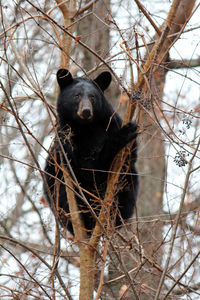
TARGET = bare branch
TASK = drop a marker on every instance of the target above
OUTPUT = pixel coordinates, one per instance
(177, 221)
(86, 7)
(142, 8)
(185, 63)
(185, 271)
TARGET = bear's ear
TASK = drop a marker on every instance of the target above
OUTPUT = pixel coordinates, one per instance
(64, 78)
(103, 80)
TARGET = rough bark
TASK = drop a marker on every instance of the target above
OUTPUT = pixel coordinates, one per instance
(95, 34)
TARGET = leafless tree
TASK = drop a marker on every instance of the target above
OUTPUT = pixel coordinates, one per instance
(151, 49)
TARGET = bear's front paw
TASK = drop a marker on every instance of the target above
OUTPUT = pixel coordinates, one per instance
(129, 131)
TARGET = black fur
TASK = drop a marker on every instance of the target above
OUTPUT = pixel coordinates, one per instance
(90, 140)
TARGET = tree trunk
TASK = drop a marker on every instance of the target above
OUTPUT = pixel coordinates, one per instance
(95, 34)
(87, 271)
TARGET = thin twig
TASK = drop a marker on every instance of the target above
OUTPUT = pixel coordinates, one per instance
(16, 242)
(101, 281)
(86, 7)
(185, 271)
(143, 9)
(176, 223)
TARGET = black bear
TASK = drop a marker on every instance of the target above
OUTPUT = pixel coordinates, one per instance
(90, 134)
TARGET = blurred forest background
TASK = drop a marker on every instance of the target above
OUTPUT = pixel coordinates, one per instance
(154, 59)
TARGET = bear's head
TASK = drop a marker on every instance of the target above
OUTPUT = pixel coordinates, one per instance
(81, 100)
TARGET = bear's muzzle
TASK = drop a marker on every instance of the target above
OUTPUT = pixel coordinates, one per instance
(85, 109)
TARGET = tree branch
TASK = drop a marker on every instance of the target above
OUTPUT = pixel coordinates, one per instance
(143, 9)
(176, 222)
(86, 7)
(185, 271)
(68, 12)
(185, 63)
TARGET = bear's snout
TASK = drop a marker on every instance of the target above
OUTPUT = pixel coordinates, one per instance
(85, 109)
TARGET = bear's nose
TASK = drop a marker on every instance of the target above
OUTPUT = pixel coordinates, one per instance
(86, 113)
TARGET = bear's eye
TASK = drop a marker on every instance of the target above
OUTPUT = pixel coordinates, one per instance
(77, 96)
(91, 98)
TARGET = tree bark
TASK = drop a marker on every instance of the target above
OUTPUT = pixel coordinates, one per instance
(95, 34)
